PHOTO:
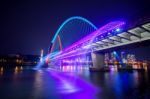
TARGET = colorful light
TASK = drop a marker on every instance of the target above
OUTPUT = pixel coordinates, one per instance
(118, 29)
(107, 28)
(41, 57)
(79, 47)
(70, 19)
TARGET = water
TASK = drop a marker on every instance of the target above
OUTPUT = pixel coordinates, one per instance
(52, 84)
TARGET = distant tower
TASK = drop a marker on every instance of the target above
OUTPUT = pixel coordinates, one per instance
(41, 57)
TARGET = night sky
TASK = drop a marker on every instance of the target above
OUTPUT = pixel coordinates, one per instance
(28, 26)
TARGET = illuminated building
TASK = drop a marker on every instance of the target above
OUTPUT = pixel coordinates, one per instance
(13, 60)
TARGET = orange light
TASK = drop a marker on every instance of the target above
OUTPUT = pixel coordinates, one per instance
(1, 69)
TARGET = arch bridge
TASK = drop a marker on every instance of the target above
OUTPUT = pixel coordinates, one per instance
(111, 35)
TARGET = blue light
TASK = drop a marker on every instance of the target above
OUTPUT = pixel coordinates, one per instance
(118, 29)
(115, 53)
(109, 33)
(70, 19)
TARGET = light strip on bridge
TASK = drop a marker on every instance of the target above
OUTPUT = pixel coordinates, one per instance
(112, 26)
(144, 35)
(105, 29)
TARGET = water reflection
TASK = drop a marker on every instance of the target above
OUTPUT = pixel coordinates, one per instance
(73, 68)
(18, 69)
(55, 84)
(1, 71)
(66, 85)
(121, 85)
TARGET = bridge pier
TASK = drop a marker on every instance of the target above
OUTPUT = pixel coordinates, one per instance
(98, 60)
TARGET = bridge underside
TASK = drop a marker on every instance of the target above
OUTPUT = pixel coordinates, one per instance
(134, 35)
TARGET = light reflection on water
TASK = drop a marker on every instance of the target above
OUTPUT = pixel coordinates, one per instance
(75, 84)
(73, 68)
(77, 87)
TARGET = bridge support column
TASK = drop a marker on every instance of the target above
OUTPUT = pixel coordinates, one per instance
(97, 59)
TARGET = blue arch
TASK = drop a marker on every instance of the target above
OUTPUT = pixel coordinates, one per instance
(70, 19)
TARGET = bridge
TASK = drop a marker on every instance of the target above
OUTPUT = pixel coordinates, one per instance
(86, 39)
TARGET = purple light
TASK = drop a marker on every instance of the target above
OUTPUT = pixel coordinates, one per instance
(72, 87)
(108, 27)
(73, 50)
